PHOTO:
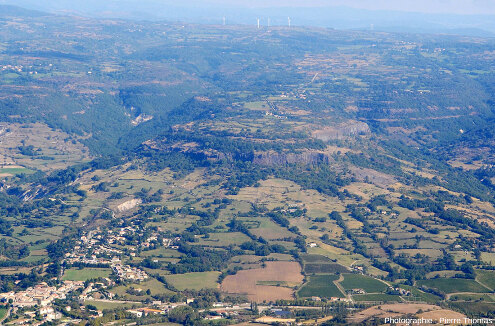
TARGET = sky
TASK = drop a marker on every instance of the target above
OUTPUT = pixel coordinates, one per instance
(424, 6)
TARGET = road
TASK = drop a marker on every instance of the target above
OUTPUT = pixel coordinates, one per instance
(337, 284)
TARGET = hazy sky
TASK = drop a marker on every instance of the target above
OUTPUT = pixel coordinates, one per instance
(428, 6)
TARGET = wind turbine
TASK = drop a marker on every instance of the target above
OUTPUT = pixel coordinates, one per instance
(288, 18)
(258, 23)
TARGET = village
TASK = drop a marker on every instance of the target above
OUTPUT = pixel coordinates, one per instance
(41, 303)
(92, 249)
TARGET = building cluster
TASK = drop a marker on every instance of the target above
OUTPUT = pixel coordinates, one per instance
(170, 243)
(144, 312)
(358, 268)
(282, 117)
(332, 299)
(37, 301)
(93, 249)
(13, 68)
(398, 291)
(98, 242)
(357, 291)
(41, 294)
(97, 247)
(126, 272)
(48, 314)
(21, 68)
(40, 298)
(86, 294)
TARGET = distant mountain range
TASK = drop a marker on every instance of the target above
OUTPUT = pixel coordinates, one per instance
(332, 17)
(8, 10)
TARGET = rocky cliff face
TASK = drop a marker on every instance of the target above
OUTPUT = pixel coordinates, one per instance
(344, 130)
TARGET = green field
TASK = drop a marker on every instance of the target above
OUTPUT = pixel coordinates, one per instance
(471, 297)
(269, 230)
(320, 286)
(323, 268)
(161, 252)
(358, 281)
(423, 296)
(194, 281)
(486, 277)
(311, 258)
(111, 305)
(224, 239)
(377, 297)
(85, 274)
(34, 258)
(273, 283)
(256, 105)
(475, 308)
(454, 285)
(15, 171)
(152, 284)
(3, 312)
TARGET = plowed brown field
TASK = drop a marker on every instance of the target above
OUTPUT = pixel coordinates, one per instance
(245, 282)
